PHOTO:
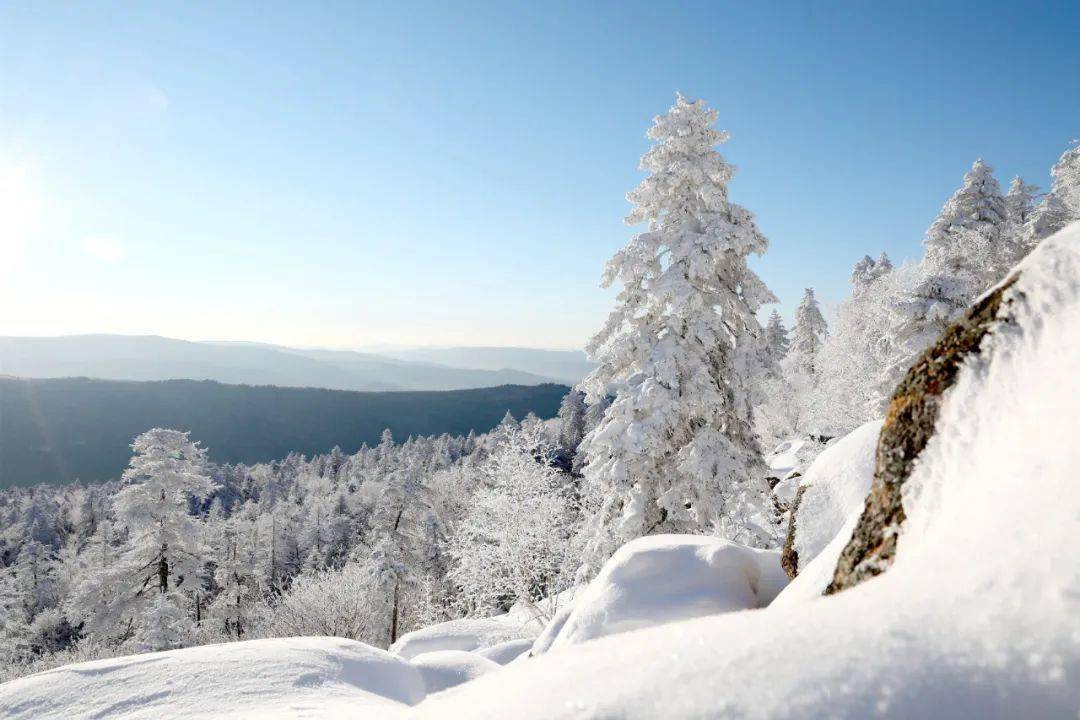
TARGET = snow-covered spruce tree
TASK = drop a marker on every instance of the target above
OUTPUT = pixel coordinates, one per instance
(397, 534)
(776, 337)
(676, 451)
(965, 253)
(810, 332)
(163, 554)
(572, 420)
(516, 543)
(1061, 205)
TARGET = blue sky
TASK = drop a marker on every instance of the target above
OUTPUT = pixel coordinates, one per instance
(350, 174)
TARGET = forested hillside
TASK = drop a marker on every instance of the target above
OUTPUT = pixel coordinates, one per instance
(60, 430)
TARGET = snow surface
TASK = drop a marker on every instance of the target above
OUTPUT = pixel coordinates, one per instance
(449, 668)
(466, 635)
(506, 652)
(277, 678)
(979, 616)
(785, 457)
(665, 578)
(836, 487)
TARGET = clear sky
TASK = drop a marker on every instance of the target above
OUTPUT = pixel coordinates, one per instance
(352, 174)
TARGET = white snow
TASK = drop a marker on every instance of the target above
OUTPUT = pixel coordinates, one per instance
(979, 616)
(448, 668)
(836, 487)
(278, 678)
(665, 578)
(506, 652)
(472, 634)
(784, 458)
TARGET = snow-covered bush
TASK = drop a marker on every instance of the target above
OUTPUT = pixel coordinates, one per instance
(337, 603)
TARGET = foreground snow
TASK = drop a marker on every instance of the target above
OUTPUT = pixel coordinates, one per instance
(278, 678)
(666, 578)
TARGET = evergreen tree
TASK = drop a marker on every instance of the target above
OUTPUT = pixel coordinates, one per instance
(810, 332)
(163, 554)
(572, 420)
(965, 252)
(676, 450)
(776, 336)
(1061, 205)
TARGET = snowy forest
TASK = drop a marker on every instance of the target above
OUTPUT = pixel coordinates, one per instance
(703, 414)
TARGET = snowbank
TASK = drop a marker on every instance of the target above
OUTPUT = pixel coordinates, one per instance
(278, 678)
(784, 458)
(833, 490)
(979, 615)
(506, 652)
(449, 668)
(665, 578)
(457, 635)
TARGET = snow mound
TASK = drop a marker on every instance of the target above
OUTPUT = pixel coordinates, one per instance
(456, 635)
(665, 578)
(504, 653)
(448, 668)
(278, 678)
(834, 489)
(784, 457)
(978, 616)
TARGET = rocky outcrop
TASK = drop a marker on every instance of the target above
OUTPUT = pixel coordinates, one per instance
(909, 425)
(789, 557)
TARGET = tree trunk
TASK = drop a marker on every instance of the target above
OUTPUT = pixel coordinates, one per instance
(163, 571)
(394, 616)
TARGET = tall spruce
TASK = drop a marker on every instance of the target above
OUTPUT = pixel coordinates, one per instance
(676, 450)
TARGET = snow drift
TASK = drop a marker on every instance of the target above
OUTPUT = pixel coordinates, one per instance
(471, 634)
(278, 678)
(831, 494)
(665, 578)
(448, 668)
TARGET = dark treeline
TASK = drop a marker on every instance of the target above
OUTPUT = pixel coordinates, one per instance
(62, 430)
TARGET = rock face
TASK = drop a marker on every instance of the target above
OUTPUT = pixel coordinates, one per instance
(909, 424)
(789, 556)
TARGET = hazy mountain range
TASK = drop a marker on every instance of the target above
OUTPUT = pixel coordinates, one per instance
(149, 357)
(63, 429)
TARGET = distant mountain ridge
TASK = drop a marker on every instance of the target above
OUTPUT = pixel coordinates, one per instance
(60, 430)
(152, 358)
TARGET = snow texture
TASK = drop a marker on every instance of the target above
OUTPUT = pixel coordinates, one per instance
(449, 668)
(506, 652)
(836, 487)
(278, 678)
(469, 634)
(666, 578)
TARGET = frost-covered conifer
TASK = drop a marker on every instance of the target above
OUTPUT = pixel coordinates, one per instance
(965, 253)
(1061, 205)
(776, 337)
(516, 544)
(163, 554)
(676, 450)
(572, 420)
(810, 332)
